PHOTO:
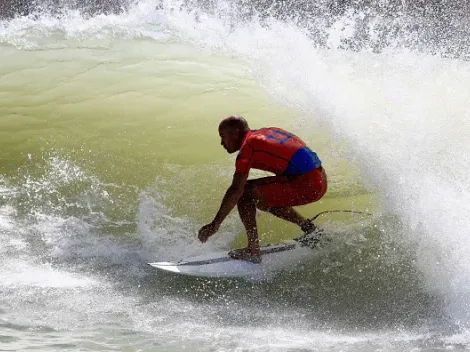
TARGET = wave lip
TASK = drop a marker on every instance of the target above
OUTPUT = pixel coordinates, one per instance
(433, 28)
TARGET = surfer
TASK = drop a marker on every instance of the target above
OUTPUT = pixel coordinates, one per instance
(299, 179)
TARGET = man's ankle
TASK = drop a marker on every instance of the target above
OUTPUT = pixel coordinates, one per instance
(308, 226)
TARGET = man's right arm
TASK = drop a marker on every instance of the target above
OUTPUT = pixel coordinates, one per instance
(231, 197)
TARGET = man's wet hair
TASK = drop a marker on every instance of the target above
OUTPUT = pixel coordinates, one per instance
(234, 122)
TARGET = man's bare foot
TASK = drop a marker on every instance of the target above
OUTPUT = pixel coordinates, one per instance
(245, 254)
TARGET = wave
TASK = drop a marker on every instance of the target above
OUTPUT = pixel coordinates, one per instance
(437, 27)
(371, 77)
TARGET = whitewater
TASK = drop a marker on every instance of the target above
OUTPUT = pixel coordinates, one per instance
(111, 159)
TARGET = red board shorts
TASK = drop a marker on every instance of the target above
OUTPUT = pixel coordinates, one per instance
(289, 191)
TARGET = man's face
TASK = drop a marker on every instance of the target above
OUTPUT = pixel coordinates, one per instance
(229, 139)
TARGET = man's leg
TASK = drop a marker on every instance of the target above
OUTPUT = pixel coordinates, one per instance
(247, 211)
(279, 194)
(291, 215)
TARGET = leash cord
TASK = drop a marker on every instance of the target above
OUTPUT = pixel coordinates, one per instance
(339, 211)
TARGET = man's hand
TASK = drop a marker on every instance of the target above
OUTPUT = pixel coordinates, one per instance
(207, 231)
(232, 195)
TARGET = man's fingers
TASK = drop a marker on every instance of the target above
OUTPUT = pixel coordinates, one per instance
(202, 236)
(205, 232)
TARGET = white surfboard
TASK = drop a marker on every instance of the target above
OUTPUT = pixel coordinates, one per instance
(275, 257)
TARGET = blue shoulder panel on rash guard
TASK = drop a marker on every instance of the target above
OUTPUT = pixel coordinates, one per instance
(302, 161)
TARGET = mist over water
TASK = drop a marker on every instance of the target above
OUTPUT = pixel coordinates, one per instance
(88, 195)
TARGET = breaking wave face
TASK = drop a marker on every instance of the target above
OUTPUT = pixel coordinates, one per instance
(402, 111)
(368, 74)
(390, 81)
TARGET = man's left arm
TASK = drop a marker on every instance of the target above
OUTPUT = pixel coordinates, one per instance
(232, 195)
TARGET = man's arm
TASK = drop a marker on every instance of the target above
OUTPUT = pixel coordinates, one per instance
(232, 195)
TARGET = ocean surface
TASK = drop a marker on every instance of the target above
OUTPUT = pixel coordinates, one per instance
(110, 158)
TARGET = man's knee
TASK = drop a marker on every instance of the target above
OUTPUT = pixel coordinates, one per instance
(250, 194)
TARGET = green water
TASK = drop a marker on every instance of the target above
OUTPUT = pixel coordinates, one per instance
(143, 113)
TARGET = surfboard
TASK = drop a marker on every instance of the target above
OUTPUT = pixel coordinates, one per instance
(275, 257)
